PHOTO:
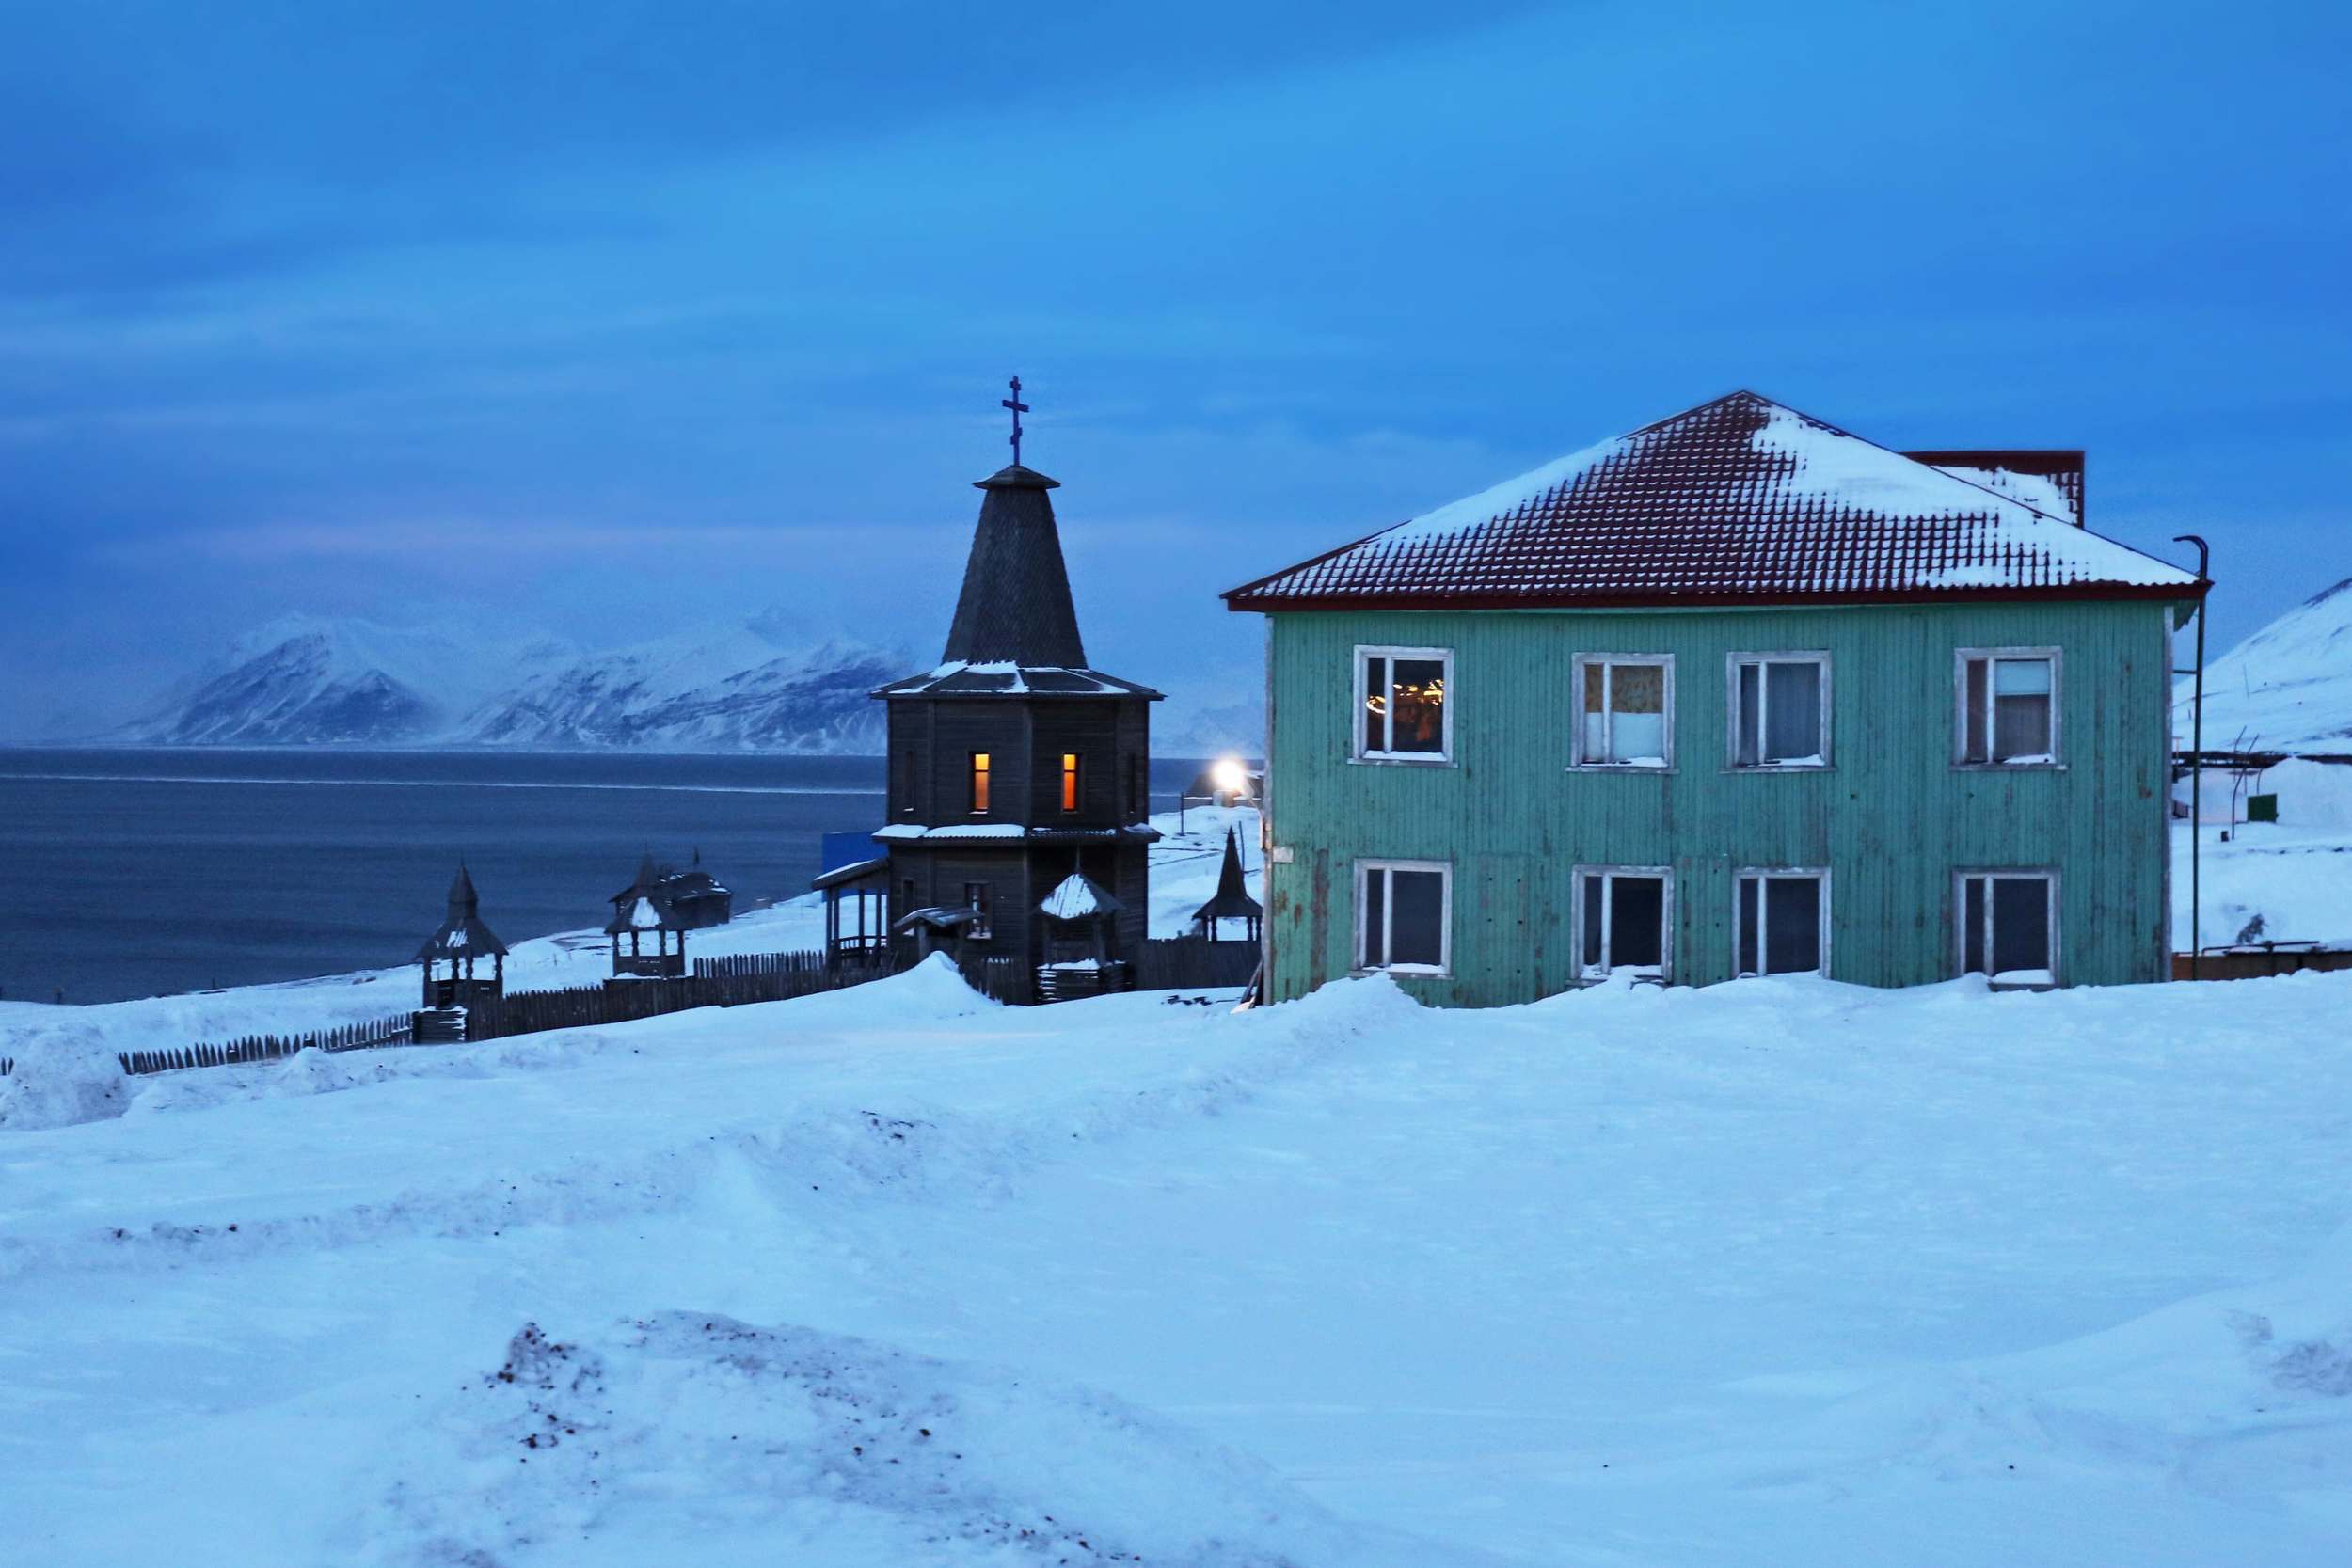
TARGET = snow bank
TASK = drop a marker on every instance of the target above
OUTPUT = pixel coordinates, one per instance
(65, 1073)
(2241, 1390)
(1556, 1282)
(786, 1444)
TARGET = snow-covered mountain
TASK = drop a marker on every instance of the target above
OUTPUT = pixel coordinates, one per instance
(307, 681)
(2288, 687)
(751, 687)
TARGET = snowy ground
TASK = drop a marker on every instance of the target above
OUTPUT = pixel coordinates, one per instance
(1183, 875)
(1780, 1271)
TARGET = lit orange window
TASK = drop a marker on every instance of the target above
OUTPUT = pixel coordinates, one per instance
(1070, 781)
(980, 781)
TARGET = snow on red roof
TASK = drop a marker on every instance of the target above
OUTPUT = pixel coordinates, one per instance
(1740, 500)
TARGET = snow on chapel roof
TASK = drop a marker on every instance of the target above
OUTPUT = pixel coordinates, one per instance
(1077, 897)
(1740, 500)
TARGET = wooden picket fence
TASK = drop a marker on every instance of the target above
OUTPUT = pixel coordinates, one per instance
(266, 1047)
(726, 982)
(1188, 963)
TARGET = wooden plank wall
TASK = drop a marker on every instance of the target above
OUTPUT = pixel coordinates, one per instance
(1892, 817)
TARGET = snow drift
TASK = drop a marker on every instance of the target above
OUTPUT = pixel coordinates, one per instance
(783, 1444)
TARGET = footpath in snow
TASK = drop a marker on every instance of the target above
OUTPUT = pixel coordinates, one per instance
(1779, 1272)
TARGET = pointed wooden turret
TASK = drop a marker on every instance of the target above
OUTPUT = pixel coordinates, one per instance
(461, 942)
(1233, 900)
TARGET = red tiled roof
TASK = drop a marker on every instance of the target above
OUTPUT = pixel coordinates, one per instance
(1737, 501)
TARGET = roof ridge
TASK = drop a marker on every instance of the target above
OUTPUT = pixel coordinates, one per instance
(1740, 497)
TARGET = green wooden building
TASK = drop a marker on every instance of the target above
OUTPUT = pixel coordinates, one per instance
(1736, 693)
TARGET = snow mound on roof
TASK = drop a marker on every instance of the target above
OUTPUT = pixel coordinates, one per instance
(2288, 687)
(787, 1444)
(1073, 898)
(63, 1076)
(2039, 491)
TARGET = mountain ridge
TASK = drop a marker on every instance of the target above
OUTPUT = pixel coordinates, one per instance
(769, 684)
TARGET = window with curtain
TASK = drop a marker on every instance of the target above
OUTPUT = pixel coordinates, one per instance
(1625, 707)
(1778, 710)
(2009, 706)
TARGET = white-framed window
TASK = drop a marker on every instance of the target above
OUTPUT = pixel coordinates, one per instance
(1779, 709)
(1625, 710)
(2008, 926)
(977, 897)
(2008, 707)
(1405, 916)
(1780, 924)
(1624, 921)
(1403, 711)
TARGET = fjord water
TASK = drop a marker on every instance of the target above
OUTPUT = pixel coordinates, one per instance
(136, 872)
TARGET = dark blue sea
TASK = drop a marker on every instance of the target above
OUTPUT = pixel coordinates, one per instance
(134, 872)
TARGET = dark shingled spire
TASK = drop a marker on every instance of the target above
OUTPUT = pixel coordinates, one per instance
(1233, 900)
(463, 932)
(1016, 608)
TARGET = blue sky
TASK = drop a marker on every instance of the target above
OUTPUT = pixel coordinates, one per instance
(607, 318)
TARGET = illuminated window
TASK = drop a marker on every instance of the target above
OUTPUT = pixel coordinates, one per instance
(980, 781)
(1070, 781)
(1401, 694)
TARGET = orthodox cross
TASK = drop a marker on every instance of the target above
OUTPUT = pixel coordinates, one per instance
(1017, 408)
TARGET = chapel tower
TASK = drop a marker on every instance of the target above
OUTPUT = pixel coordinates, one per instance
(1014, 766)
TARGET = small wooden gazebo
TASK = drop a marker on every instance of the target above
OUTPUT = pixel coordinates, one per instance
(647, 909)
(855, 883)
(1233, 900)
(461, 942)
(1081, 958)
(938, 928)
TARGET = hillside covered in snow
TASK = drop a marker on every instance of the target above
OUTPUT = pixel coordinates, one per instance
(1780, 1271)
(2288, 687)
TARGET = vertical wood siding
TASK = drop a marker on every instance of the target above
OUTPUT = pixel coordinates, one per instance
(1892, 818)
